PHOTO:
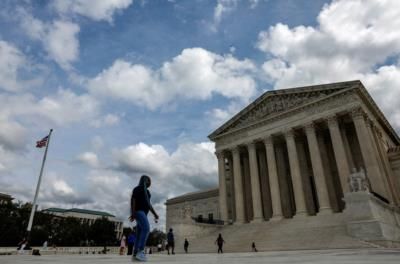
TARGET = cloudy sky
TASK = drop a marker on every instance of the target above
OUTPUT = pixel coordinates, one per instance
(135, 86)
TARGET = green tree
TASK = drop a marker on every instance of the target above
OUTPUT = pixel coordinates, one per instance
(102, 232)
(70, 232)
(156, 237)
(9, 231)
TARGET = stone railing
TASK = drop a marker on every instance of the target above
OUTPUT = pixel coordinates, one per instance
(60, 250)
(394, 149)
(371, 219)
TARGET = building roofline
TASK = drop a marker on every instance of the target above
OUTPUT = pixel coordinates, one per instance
(78, 210)
(194, 196)
(351, 85)
(300, 89)
(6, 196)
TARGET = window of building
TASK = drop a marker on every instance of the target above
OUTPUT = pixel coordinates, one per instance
(210, 218)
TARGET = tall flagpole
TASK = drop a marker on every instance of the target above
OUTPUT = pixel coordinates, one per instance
(38, 187)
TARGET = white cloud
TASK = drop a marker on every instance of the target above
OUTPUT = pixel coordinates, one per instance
(254, 3)
(62, 108)
(97, 143)
(89, 158)
(111, 191)
(12, 135)
(62, 42)
(66, 107)
(190, 167)
(12, 63)
(9, 160)
(142, 158)
(353, 40)
(223, 7)
(96, 10)
(2, 167)
(194, 74)
(56, 191)
(107, 120)
(11, 59)
(59, 38)
(218, 116)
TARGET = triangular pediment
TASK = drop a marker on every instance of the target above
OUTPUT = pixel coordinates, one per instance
(279, 101)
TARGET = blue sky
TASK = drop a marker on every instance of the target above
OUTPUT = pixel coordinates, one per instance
(134, 87)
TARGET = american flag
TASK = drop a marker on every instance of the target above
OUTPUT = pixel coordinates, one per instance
(42, 143)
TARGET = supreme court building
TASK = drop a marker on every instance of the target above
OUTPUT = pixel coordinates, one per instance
(304, 152)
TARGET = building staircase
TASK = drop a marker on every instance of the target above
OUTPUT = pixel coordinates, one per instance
(298, 233)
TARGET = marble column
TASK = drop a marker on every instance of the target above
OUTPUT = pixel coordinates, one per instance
(222, 187)
(295, 174)
(374, 141)
(340, 152)
(238, 182)
(273, 179)
(255, 183)
(318, 170)
(367, 152)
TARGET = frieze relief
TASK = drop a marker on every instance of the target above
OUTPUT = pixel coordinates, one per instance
(276, 104)
(340, 101)
(318, 108)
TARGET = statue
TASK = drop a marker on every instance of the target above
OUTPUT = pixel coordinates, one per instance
(358, 181)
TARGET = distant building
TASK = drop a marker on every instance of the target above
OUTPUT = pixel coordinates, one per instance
(5, 198)
(202, 207)
(87, 216)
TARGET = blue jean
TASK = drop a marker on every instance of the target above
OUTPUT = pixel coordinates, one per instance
(143, 230)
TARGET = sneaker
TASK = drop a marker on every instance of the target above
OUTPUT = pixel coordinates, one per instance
(141, 256)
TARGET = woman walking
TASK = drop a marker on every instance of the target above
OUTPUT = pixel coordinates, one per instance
(140, 207)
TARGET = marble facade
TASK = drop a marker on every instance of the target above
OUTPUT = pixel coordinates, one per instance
(298, 153)
(183, 209)
(292, 150)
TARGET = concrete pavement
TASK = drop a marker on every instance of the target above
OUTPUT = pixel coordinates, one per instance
(348, 256)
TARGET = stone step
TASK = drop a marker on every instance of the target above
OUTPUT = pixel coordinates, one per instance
(312, 232)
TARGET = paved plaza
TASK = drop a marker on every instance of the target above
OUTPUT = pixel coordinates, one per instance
(365, 256)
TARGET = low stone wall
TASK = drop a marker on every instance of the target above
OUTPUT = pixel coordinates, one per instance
(371, 219)
(60, 250)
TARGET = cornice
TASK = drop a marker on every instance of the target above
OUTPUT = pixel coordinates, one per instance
(362, 91)
(193, 196)
(281, 115)
(356, 88)
(281, 92)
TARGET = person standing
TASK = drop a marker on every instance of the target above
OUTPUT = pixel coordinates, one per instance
(171, 241)
(220, 242)
(44, 247)
(186, 245)
(21, 245)
(253, 247)
(140, 207)
(122, 245)
(131, 242)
